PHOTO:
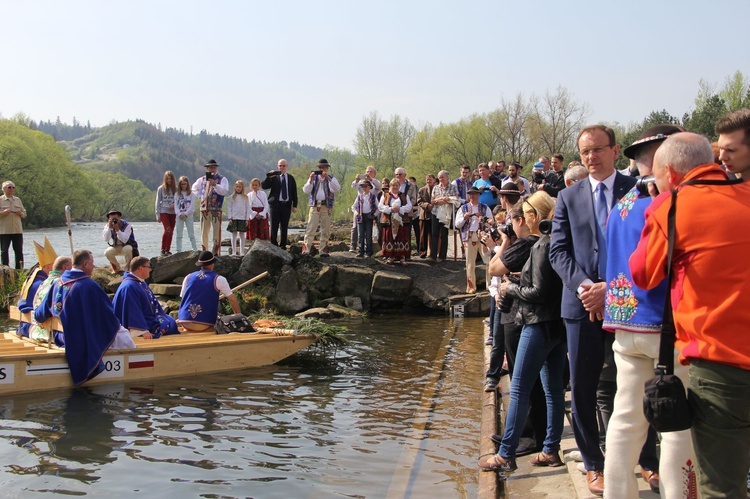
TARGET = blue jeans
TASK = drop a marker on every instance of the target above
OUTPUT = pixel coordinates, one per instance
(497, 333)
(536, 355)
(186, 223)
(364, 230)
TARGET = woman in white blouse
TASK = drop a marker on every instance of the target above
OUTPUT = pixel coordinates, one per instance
(258, 228)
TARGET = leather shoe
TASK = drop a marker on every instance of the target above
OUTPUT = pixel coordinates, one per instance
(544, 459)
(652, 478)
(595, 479)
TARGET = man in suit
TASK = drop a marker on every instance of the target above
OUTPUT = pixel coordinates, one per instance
(578, 254)
(282, 200)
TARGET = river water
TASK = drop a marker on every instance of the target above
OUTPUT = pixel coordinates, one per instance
(394, 414)
(89, 236)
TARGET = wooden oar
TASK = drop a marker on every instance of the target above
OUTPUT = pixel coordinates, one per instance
(70, 232)
(256, 278)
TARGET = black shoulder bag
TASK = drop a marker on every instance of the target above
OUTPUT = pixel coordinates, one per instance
(665, 400)
(233, 323)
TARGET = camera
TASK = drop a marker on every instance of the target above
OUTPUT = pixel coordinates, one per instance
(506, 302)
(507, 229)
(317, 172)
(209, 176)
(274, 173)
(642, 185)
(545, 227)
(538, 177)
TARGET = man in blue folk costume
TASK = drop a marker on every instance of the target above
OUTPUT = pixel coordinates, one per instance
(136, 306)
(87, 317)
(200, 296)
(46, 256)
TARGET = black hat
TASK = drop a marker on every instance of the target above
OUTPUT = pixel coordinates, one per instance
(651, 135)
(205, 258)
(516, 164)
(510, 189)
(113, 212)
(363, 183)
(474, 190)
(322, 163)
(212, 162)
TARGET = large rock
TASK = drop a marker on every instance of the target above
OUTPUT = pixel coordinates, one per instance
(289, 298)
(263, 256)
(173, 268)
(432, 289)
(107, 280)
(166, 289)
(354, 281)
(390, 286)
(470, 305)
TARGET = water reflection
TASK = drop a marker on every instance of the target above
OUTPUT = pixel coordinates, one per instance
(396, 414)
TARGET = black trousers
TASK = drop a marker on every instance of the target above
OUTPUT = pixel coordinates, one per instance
(281, 212)
(5, 242)
(438, 239)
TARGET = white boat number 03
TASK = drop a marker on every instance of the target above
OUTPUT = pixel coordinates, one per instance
(114, 367)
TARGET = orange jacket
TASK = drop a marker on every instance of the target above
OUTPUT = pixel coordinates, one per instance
(710, 288)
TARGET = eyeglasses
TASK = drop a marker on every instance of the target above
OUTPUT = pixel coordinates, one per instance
(10, 187)
(595, 150)
(536, 212)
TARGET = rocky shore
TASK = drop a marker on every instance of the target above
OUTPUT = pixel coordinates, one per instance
(317, 286)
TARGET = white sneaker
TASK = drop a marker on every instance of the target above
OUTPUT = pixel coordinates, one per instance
(575, 455)
(580, 467)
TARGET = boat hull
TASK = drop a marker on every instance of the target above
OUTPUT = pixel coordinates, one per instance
(26, 366)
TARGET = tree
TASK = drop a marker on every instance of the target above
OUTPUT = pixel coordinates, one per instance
(735, 92)
(704, 118)
(510, 124)
(559, 118)
(384, 144)
(370, 138)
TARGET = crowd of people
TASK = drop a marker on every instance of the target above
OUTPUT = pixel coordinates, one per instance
(577, 259)
(582, 290)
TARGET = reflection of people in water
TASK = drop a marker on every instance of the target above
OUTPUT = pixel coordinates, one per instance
(87, 430)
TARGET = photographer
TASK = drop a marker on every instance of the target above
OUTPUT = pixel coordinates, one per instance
(469, 220)
(282, 199)
(542, 345)
(118, 234)
(321, 188)
(211, 189)
(510, 257)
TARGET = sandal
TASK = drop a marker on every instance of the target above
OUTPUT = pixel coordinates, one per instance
(498, 463)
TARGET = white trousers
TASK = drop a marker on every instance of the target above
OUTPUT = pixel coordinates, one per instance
(112, 252)
(318, 215)
(636, 355)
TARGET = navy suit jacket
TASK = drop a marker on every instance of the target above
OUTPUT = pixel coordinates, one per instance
(574, 249)
(274, 183)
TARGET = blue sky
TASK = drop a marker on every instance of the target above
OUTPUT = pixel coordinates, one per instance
(308, 71)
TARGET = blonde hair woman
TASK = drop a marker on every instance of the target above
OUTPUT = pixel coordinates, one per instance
(164, 209)
(542, 347)
(238, 213)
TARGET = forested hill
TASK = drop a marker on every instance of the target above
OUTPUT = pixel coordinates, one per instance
(142, 151)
